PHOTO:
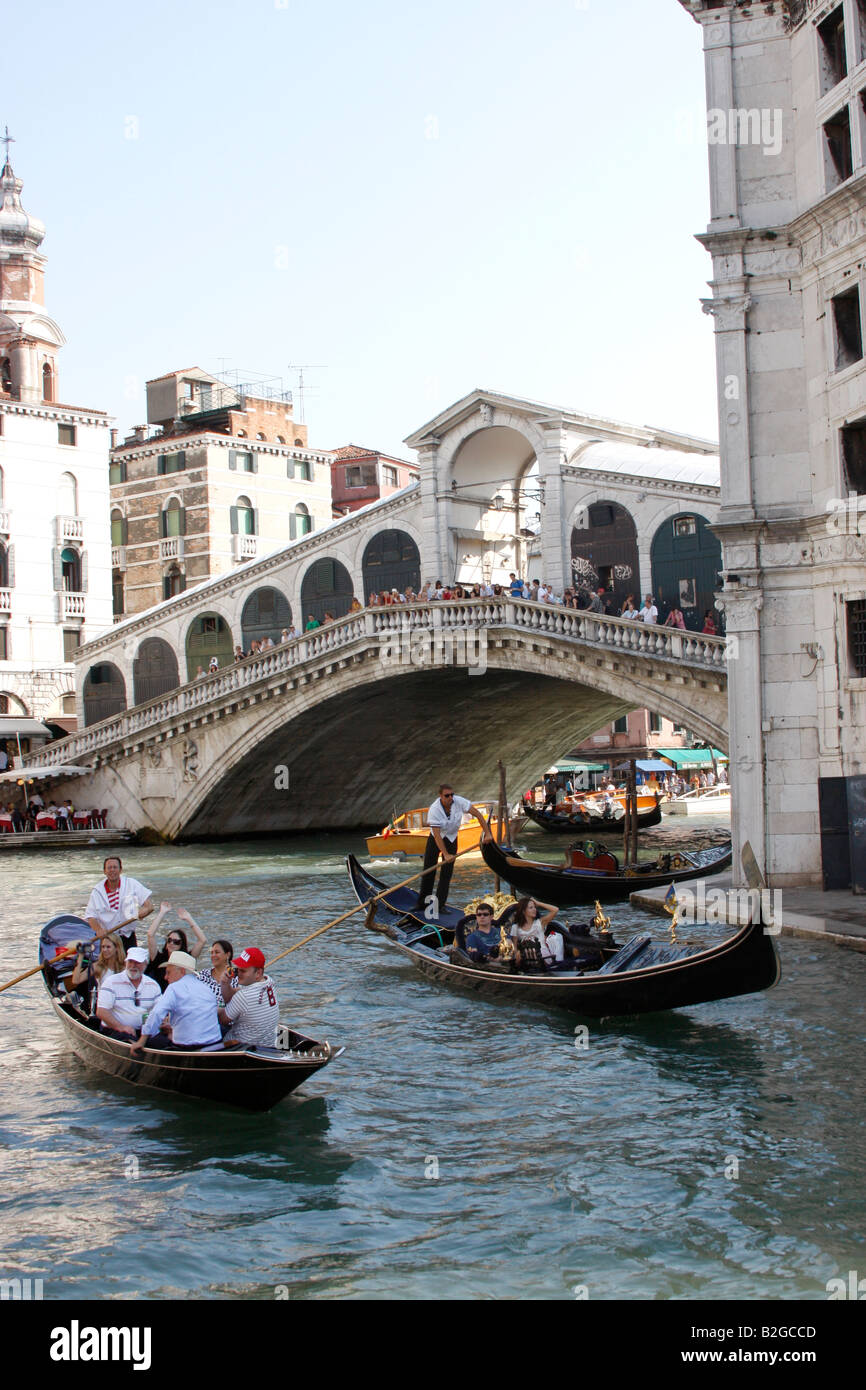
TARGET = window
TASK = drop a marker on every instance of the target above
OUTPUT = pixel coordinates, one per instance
(117, 593)
(67, 495)
(67, 704)
(70, 568)
(66, 435)
(389, 476)
(655, 723)
(260, 435)
(71, 642)
(832, 60)
(838, 160)
(47, 383)
(361, 475)
(305, 471)
(620, 726)
(299, 443)
(4, 704)
(300, 522)
(854, 456)
(4, 644)
(685, 526)
(243, 518)
(117, 472)
(243, 461)
(171, 463)
(6, 375)
(173, 583)
(173, 519)
(856, 612)
(208, 625)
(848, 328)
(118, 528)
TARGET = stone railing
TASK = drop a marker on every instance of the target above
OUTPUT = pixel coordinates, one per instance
(71, 605)
(69, 528)
(5, 523)
(5, 600)
(382, 625)
(171, 548)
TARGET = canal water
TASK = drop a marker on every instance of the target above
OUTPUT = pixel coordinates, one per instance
(459, 1148)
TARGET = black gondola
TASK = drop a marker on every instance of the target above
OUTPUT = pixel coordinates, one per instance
(640, 977)
(560, 823)
(597, 873)
(252, 1078)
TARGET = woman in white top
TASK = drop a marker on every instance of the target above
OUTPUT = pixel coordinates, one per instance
(88, 976)
(528, 934)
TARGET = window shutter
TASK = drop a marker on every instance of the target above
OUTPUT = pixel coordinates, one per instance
(233, 513)
(163, 523)
(166, 587)
(10, 567)
(57, 568)
(255, 518)
(293, 527)
(84, 571)
(233, 458)
(254, 460)
(160, 464)
(125, 531)
(290, 468)
(182, 522)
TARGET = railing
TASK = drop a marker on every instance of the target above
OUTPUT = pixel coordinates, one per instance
(384, 625)
(171, 548)
(118, 557)
(69, 528)
(71, 605)
(244, 547)
(5, 514)
(5, 600)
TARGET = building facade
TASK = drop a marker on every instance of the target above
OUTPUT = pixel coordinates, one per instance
(220, 475)
(360, 476)
(786, 97)
(55, 574)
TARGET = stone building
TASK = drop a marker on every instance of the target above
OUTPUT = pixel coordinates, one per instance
(786, 97)
(360, 476)
(221, 474)
(55, 577)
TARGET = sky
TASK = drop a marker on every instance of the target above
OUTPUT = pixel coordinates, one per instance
(413, 199)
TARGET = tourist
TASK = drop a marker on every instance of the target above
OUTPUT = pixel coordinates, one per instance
(411, 596)
(355, 605)
(551, 792)
(483, 941)
(528, 932)
(175, 941)
(200, 673)
(675, 619)
(284, 635)
(221, 953)
(649, 613)
(239, 653)
(709, 626)
(125, 999)
(189, 1003)
(213, 665)
(252, 1014)
(267, 643)
(117, 903)
(595, 603)
(515, 586)
(444, 819)
(89, 974)
(311, 624)
(628, 609)
(437, 590)
(4, 758)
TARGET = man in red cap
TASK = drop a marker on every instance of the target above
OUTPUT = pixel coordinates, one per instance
(252, 1012)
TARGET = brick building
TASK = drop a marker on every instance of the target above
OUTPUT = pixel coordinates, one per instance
(360, 475)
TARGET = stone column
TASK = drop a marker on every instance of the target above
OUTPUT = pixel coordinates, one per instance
(555, 544)
(742, 610)
(729, 308)
(433, 520)
(719, 69)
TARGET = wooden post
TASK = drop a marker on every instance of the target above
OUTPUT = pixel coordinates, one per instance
(632, 784)
(500, 834)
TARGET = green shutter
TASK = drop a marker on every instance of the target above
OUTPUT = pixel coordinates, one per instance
(233, 513)
(290, 468)
(233, 458)
(181, 522)
(254, 459)
(57, 568)
(293, 527)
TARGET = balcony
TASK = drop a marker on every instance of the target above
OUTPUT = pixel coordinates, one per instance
(69, 528)
(118, 558)
(5, 527)
(171, 548)
(5, 600)
(71, 605)
(244, 547)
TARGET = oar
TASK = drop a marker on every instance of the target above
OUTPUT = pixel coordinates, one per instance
(360, 907)
(68, 951)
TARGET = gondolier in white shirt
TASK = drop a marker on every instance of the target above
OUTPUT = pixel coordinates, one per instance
(444, 819)
(117, 903)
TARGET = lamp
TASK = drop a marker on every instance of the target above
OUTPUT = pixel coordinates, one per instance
(498, 502)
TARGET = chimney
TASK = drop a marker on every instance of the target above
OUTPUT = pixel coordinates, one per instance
(139, 434)
(114, 439)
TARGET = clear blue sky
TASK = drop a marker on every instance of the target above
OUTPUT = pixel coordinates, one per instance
(425, 198)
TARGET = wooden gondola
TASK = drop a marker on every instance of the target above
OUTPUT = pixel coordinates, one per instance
(596, 872)
(252, 1078)
(640, 977)
(577, 822)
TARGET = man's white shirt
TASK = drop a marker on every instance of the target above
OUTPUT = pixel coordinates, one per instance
(132, 895)
(447, 824)
(117, 993)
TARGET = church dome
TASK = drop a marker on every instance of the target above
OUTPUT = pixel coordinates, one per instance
(18, 230)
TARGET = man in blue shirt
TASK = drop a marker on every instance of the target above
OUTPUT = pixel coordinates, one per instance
(483, 942)
(515, 587)
(191, 1005)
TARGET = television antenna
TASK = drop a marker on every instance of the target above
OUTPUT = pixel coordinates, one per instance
(300, 368)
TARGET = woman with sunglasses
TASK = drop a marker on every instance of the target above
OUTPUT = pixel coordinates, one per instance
(175, 941)
(528, 932)
(89, 974)
(221, 968)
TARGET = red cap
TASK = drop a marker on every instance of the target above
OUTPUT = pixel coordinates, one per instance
(250, 956)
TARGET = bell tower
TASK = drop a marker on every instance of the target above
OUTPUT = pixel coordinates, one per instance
(29, 339)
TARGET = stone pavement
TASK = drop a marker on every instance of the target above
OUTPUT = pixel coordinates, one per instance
(839, 917)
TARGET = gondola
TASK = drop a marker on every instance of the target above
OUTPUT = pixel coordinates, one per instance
(252, 1078)
(568, 824)
(640, 977)
(596, 872)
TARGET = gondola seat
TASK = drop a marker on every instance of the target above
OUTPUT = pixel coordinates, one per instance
(626, 957)
(604, 863)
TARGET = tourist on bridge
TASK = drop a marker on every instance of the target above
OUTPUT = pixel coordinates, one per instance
(675, 619)
(649, 613)
(191, 1006)
(709, 626)
(628, 609)
(444, 819)
(251, 1013)
(515, 586)
(117, 903)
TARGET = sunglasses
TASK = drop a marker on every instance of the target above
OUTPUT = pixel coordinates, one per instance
(173, 941)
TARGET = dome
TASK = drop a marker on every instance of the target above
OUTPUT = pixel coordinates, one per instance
(18, 230)
(671, 465)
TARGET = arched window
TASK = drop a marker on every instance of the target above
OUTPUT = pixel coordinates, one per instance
(243, 518)
(686, 564)
(70, 569)
(173, 582)
(104, 693)
(118, 527)
(260, 435)
(173, 518)
(300, 522)
(1, 487)
(280, 439)
(327, 588)
(154, 670)
(67, 495)
(299, 443)
(604, 554)
(47, 382)
(265, 614)
(118, 596)
(391, 561)
(6, 375)
(208, 636)
(241, 434)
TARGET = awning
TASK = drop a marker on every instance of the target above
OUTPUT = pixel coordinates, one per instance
(652, 765)
(40, 774)
(12, 724)
(572, 765)
(691, 757)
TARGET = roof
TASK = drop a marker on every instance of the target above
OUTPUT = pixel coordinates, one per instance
(348, 451)
(648, 462)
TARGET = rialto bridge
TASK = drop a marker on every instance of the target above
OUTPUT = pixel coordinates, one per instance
(332, 729)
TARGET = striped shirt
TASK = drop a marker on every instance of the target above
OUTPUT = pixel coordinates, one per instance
(254, 1013)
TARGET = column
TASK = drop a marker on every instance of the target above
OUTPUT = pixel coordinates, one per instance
(742, 611)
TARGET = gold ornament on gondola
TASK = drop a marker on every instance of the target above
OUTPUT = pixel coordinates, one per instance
(506, 945)
(600, 922)
(670, 905)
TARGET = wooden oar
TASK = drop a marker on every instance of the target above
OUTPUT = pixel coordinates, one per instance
(69, 951)
(361, 906)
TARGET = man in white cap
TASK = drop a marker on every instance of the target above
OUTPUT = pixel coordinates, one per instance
(124, 999)
(252, 1011)
(191, 1005)
(117, 903)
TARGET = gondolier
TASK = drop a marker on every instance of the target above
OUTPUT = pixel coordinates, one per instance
(444, 819)
(117, 903)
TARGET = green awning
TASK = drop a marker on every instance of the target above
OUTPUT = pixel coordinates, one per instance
(691, 757)
(572, 765)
